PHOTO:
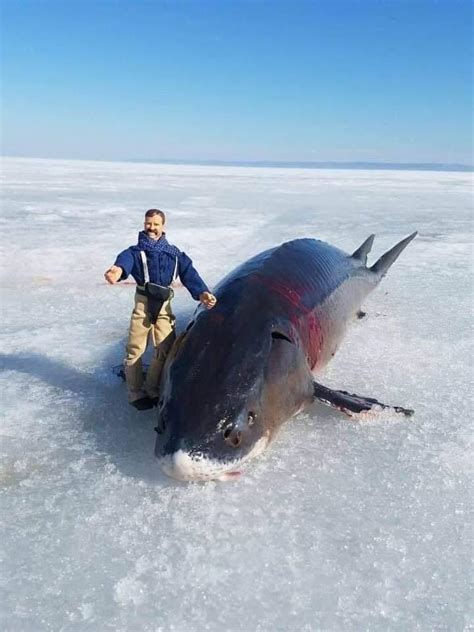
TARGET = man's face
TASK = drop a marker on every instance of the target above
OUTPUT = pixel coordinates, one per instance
(154, 226)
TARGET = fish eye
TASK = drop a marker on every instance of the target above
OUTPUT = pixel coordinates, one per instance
(277, 335)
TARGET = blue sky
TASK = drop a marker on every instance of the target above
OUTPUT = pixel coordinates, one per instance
(323, 80)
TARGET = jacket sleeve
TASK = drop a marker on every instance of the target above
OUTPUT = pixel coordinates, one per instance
(125, 261)
(190, 277)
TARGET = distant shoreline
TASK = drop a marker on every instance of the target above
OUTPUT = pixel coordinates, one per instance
(276, 164)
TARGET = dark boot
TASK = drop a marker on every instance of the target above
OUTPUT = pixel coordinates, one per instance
(144, 403)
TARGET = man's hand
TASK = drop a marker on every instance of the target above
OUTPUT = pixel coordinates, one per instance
(113, 274)
(208, 299)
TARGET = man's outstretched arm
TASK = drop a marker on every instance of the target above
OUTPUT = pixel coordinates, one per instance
(193, 282)
(113, 274)
(121, 269)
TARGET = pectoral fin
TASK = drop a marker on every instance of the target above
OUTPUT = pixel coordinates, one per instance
(351, 404)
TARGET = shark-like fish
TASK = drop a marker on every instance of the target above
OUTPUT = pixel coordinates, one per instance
(243, 368)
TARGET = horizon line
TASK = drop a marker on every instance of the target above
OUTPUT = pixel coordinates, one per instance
(316, 164)
(285, 164)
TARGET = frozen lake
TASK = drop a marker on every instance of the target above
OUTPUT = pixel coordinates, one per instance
(340, 525)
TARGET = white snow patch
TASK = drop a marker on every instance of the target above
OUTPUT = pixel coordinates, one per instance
(130, 590)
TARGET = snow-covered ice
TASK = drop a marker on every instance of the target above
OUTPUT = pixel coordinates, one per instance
(339, 525)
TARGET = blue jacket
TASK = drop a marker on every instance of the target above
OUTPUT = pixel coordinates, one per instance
(161, 259)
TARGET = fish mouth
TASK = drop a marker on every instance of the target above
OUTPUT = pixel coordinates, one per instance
(185, 467)
(188, 467)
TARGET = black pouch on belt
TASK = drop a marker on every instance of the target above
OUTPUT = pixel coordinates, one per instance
(156, 295)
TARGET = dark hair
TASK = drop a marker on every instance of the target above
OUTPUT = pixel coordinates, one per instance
(154, 211)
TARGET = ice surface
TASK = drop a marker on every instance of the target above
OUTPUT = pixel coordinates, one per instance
(339, 525)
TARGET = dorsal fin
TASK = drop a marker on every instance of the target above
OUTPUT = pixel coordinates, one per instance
(363, 250)
(381, 266)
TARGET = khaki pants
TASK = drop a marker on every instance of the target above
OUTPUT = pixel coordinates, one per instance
(162, 335)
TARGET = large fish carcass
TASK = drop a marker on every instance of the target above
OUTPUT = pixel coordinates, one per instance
(243, 368)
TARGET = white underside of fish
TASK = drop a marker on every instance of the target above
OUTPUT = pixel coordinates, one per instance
(187, 467)
(338, 310)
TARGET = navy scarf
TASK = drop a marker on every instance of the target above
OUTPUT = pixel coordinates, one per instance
(155, 245)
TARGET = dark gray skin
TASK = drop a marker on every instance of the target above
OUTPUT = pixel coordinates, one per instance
(243, 368)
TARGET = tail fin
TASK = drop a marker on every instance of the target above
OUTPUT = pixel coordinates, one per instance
(363, 250)
(381, 266)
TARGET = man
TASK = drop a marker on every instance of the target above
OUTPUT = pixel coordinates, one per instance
(154, 264)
